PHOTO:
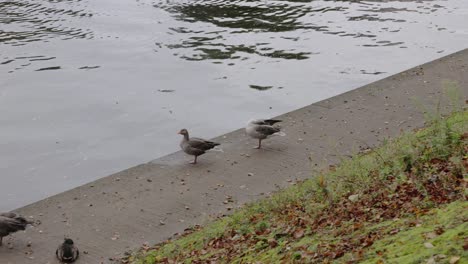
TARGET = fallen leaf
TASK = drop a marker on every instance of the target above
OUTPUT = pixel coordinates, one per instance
(430, 235)
(116, 236)
(298, 233)
(354, 197)
(440, 256)
(428, 245)
(439, 230)
(454, 260)
(272, 242)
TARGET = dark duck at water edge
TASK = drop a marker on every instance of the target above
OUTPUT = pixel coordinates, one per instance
(67, 252)
(261, 129)
(195, 146)
(11, 223)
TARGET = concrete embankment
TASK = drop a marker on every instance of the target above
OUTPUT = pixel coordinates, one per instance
(152, 201)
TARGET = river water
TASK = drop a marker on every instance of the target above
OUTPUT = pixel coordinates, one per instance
(91, 87)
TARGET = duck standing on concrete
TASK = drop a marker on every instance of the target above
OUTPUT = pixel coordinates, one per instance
(11, 223)
(67, 252)
(195, 146)
(261, 129)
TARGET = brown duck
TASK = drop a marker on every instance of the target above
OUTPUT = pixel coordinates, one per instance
(195, 146)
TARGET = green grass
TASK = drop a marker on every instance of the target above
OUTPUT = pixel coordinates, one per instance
(408, 245)
(420, 177)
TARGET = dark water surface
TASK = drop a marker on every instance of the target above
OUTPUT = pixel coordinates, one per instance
(91, 87)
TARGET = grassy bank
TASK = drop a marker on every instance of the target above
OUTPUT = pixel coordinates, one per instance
(404, 202)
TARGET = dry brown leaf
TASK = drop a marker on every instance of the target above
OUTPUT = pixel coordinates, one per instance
(298, 233)
(272, 242)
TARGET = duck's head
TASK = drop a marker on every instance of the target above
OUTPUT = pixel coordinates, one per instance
(68, 241)
(183, 132)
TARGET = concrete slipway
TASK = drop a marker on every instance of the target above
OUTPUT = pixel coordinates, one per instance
(152, 201)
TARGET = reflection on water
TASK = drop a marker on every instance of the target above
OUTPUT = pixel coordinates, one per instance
(224, 21)
(88, 87)
(245, 16)
(220, 30)
(25, 21)
(237, 18)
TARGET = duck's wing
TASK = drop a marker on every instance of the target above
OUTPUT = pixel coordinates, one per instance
(9, 225)
(9, 214)
(76, 253)
(271, 121)
(265, 122)
(202, 144)
(266, 129)
(67, 253)
(17, 217)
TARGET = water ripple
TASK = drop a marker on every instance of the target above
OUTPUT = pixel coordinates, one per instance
(26, 21)
(211, 29)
